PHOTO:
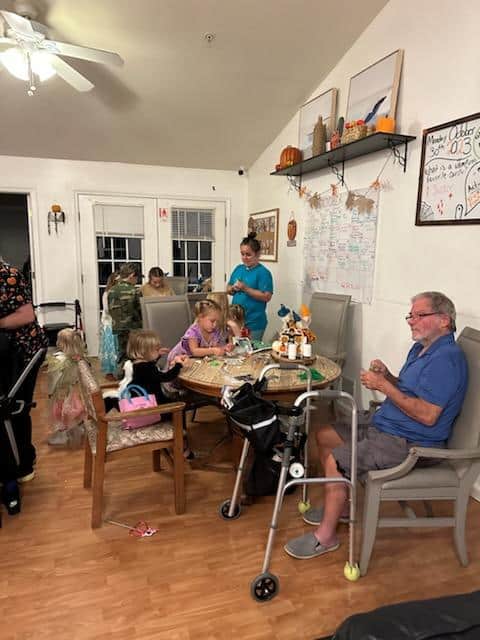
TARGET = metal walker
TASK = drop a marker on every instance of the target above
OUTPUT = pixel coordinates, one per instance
(266, 585)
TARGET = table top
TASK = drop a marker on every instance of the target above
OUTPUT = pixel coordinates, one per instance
(208, 375)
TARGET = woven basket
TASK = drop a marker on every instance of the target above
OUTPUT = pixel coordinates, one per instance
(354, 133)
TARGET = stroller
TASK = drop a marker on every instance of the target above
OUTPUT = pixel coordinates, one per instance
(264, 424)
(11, 406)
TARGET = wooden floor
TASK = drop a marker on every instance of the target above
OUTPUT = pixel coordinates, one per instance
(61, 580)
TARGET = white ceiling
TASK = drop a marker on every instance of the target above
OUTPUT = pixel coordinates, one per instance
(179, 101)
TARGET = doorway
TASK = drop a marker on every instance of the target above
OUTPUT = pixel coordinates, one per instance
(15, 236)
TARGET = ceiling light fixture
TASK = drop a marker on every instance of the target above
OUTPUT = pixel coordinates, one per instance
(22, 64)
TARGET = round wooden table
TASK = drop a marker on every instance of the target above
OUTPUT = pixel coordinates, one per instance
(208, 375)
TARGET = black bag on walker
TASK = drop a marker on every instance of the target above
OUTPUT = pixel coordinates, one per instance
(254, 417)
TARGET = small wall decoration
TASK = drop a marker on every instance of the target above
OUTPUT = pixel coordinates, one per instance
(292, 231)
(373, 92)
(324, 106)
(265, 225)
(449, 181)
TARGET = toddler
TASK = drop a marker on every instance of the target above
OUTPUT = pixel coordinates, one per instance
(203, 337)
(67, 401)
(236, 322)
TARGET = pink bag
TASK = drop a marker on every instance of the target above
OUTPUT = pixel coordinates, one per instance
(128, 402)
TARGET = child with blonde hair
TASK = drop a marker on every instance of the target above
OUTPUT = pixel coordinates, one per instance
(67, 399)
(236, 322)
(221, 298)
(204, 337)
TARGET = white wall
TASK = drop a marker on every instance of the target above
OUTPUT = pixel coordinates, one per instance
(57, 181)
(440, 82)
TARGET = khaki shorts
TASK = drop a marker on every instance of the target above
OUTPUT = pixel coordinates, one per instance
(375, 449)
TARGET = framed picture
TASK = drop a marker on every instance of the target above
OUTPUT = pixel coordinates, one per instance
(449, 180)
(265, 225)
(373, 92)
(324, 105)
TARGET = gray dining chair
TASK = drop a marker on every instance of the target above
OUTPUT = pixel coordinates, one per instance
(179, 284)
(169, 316)
(329, 323)
(451, 479)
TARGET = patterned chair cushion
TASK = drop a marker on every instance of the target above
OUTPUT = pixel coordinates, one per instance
(118, 438)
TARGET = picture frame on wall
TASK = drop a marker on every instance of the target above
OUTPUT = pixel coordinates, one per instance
(265, 225)
(324, 105)
(375, 89)
(449, 179)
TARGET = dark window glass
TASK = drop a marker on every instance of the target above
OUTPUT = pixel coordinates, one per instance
(104, 270)
(192, 250)
(205, 250)
(104, 248)
(135, 248)
(206, 269)
(117, 265)
(178, 269)
(119, 248)
(178, 250)
(192, 272)
(101, 290)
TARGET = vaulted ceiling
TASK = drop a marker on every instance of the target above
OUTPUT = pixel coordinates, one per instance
(179, 100)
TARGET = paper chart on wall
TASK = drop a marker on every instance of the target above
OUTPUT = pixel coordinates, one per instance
(339, 247)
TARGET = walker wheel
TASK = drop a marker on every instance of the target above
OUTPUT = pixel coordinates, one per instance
(351, 571)
(225, 508)
(264, 587)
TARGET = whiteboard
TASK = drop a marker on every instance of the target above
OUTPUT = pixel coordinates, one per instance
(449, 182)
(340, 243)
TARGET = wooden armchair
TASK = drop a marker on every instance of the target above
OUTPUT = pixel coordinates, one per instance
(106, 440)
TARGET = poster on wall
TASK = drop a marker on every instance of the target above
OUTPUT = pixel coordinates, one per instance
(449, 181)
(340, 243)
(265, 225)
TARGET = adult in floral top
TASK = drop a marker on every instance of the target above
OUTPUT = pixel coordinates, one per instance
(20, 338)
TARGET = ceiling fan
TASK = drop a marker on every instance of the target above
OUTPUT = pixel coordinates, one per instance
(26, 51)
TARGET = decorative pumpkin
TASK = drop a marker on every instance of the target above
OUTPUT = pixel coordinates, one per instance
(292, 229)
(290, 155)
(385, 124)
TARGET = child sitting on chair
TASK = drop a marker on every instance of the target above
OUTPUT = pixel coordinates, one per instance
(203, 337)
(236, 322)
(67, 402)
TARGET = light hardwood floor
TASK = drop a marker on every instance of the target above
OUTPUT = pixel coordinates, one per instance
(61, 580)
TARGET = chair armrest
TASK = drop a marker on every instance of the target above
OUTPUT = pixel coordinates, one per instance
(447, 454)
(171, 407)
(109, 385)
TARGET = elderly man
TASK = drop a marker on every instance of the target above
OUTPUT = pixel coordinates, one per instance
(420, 408)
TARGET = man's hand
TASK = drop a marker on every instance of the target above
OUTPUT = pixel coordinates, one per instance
(378, 366)
(373, 380)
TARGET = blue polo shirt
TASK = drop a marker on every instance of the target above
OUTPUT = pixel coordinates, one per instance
(439, 376)
(257, 277)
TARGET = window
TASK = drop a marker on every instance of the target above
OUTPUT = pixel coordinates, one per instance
(193, 239)
(112, 253)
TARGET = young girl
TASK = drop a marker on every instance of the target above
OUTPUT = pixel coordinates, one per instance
(144, 349)
(236, 322)
(108, 349)
(67, 402)
(203, 337)
(221, 298)
(156, 285)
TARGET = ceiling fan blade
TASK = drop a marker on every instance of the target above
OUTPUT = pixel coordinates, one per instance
(84, 53)
(70, 75)
(17, 23)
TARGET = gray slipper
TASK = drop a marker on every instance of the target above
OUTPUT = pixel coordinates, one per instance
(307, 546)
(315, 516)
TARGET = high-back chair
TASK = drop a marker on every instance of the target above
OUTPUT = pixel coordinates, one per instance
(168, 316)
(451, 479)
(179, 284)
(329, 323)
(195, 297)
(106, 440)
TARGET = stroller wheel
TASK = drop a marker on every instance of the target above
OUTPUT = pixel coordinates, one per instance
(225, 508)
(264, 587)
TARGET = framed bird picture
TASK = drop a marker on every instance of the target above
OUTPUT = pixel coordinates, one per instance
(373, 92)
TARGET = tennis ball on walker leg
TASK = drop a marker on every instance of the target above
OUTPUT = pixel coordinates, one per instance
(303, 507)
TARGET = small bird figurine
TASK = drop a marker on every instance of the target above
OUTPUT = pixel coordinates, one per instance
(283, 311)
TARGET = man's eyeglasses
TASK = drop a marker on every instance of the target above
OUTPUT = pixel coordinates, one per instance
(419, 316)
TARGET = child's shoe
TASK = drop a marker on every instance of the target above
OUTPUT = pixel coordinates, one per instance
(58, 439)
(11, 497)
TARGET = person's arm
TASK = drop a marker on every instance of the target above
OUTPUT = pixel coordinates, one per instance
(231, 290)
(256, 294)
(199, 352)
(18, 318)
(377, 366)
(416, 408)
(171, 374)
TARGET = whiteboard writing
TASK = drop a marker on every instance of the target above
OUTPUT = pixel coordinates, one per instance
(449, 185)
(339, 247)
